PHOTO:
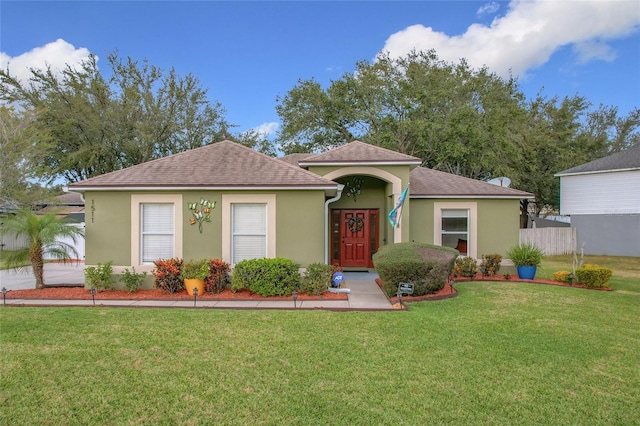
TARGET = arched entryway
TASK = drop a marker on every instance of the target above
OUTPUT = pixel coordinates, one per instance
(358, 225)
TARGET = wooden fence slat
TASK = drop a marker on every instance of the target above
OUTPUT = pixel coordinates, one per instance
(552, 241)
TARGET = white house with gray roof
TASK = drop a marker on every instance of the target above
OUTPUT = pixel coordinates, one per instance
(603, 199)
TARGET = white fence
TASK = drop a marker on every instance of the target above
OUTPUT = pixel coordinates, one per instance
(11, 242)
(551, 240)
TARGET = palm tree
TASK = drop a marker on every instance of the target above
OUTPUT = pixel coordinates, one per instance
(43, 233)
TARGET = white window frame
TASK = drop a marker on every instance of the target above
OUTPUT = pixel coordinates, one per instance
(227, 216)
(472, 223)
(443, 232)
(137, 200)
(160, 232)
(239, 233)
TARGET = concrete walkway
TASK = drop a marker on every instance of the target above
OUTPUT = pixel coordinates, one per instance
(364, 293)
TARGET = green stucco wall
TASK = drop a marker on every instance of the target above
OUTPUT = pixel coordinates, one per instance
(108, 228)
(498, 223)
(299, 226)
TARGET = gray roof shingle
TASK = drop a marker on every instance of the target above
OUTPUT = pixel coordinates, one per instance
(433, 183)
(361, 153)
(623, 160)
(223, 164)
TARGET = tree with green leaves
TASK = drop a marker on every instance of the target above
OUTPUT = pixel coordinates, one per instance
(85, 125)
(44, 234)
(18, 184)
(457, 119)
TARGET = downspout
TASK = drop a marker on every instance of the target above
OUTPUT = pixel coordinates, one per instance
(326, 222)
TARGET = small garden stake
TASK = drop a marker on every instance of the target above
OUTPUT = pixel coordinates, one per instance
(93, 294)
(195, 296)
(4, 295)
(295, 298)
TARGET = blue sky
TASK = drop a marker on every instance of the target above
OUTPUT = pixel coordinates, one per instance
(248, 53)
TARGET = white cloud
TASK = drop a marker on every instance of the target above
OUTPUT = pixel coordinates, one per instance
(267, 129)
(488, 9)
(527, 35)
(56, 54)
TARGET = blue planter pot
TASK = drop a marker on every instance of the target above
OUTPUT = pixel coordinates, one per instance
(526, 272)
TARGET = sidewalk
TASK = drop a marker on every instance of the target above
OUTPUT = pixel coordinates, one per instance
(365, 294)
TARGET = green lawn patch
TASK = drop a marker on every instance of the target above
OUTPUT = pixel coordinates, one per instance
(500, 353)
(626, 270)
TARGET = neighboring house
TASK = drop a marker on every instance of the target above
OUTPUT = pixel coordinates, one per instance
(603, 199)
(330, 207)
(69, 205)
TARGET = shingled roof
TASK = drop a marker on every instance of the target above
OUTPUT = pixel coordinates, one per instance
(429, 183)
(628, 159)
(220, 165)
(359, 153)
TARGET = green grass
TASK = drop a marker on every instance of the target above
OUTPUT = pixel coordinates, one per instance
(499, 353)
(626, 270)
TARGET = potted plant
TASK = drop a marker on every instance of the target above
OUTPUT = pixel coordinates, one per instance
(527, 258)
(194, 272)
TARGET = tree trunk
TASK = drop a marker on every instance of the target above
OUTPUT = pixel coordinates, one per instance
(524, 214)
(38, 265)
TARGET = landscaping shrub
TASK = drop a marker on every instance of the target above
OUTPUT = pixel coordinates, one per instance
(563, 276)
(99, 276)
(194, 270)
(132, 280)
(218, 278)
(266, 277)
(465, 267)
(426, 266)
(167, 274)
(525, 254)
(490, 264)
(593, 275)
(317, 278)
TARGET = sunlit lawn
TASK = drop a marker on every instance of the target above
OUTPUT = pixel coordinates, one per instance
(626, 270)
(499, 353)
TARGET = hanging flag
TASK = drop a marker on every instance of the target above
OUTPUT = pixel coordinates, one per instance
(394, 215)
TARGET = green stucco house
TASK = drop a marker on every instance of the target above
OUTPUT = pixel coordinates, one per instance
(227, 201)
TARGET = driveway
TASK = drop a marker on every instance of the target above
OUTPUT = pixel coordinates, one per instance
(54, 273)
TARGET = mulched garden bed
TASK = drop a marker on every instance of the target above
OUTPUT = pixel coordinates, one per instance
(79, 292)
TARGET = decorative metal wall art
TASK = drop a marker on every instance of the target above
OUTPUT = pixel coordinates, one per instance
(201, 212)
(354, 187)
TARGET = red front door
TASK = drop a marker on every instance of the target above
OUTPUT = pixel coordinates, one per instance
(354, 237)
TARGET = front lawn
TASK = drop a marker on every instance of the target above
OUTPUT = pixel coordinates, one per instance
(626, 270)
(500, 353)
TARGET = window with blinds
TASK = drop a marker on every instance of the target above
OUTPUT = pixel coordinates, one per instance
(248, 232)
(157, 230)
(455, 229)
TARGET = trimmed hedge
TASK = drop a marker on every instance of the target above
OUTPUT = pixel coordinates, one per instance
(266, 277)
(562, 276)
(425, 265)
(593, 275)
